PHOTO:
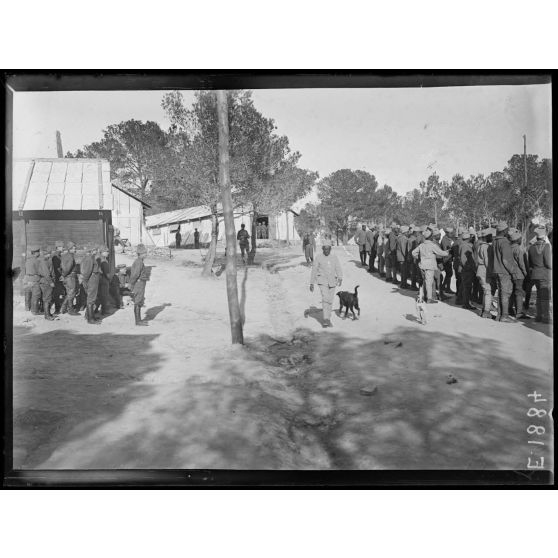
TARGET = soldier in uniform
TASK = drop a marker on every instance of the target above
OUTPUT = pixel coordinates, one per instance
(369, 244)
(69, 277)
(46, 281)
(380, 250)
(104, 281)
(58, 293)
(456, 265)
(485, 269)
(178, 238)
(467, 269)
(425, 254)
(412, 270)
(242, 236)
(138, 278)
(438, 288)
(390, 250)
(519, 273)
(503, 269)
(327, 273)
(401, 255)
(89, 268)
(360, 239)
(540, 267)
(446, 243)
(196, 239)
(32, 277)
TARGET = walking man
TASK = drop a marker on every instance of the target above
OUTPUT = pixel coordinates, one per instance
(138, 278)
(326, 272)
(540, 265)
(308, 247)
(242, 236)
(503, 269)
(360, 239)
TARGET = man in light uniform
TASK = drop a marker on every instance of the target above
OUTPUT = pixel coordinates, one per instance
(326, 272)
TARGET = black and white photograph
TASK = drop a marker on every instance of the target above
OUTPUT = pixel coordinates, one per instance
(241, 274)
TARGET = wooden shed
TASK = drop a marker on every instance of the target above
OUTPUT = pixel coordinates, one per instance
(128, 215)
(66, 199)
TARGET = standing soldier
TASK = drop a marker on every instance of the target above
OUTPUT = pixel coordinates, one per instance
(69, 277)
(456, 265)
(360, 239)
(426, 254)
(381, 249)
(138, 278)
(485, 269)
(326, 272)
(438, 288)
(58, 291)
(308, 247)
(467, 269)
(104, 281)
(242, 237)
(46, 281)
(412, 270)
(196, 239)
(32, 278)
(373, 248)
(401, 255)
(369, 243)
(446, 244)
(178, 237)
(390, 254)
(89, 268)
(519, 273)
(540, 264)
(503, 269)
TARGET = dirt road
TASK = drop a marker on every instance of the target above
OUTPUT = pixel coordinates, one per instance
(365, 394)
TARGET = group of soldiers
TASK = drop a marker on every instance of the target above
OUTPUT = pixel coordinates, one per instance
(261, 231)
(54, 278)
(492, 267)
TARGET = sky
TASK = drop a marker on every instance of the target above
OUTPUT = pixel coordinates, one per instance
(398, 135)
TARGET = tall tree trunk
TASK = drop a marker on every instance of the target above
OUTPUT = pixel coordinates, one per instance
(253, 239)
(226, 196)
(210, 257)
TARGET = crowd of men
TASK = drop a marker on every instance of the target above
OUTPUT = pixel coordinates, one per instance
(492, 267)
(54, 279)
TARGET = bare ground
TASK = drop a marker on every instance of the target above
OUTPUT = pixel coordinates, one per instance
(366, 394)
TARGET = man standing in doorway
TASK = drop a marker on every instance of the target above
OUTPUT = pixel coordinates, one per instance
(178, 238)
(327, 273)
(242, 236)
(196, 239)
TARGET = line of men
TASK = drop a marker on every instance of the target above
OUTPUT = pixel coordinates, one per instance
(490, 266)
(54, 277)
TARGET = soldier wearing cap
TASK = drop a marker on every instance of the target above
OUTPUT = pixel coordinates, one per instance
(89, 268)
(484, 256)
(371, 236)
(138, 277)
(446, 243)
(412, 271)
(381, 240)
(58, 292)
(401, 254)
(426, 254)
(540, 267)
(327, 273)
(519, 275)
(466, 268)
(46, 281)
(503, 269)
(68, 272)
(104, 281)
(455, 257)
(32, 278)
(390, 250)
(360, 239)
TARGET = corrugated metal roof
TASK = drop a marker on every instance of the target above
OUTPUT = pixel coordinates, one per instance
(188, 214)
(55, 184)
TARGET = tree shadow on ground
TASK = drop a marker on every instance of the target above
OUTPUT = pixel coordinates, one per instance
(64, 380)
(154, 311)
(327, 401)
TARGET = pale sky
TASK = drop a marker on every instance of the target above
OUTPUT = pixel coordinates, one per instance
(395, 134)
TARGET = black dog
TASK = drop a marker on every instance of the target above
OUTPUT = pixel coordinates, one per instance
(349, 301)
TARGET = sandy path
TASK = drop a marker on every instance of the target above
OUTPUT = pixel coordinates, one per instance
(176, 395)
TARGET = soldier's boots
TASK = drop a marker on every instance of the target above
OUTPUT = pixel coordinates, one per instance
(48, 315)
(137, 315)
(486, 315)
(90, 315)
(507, 320)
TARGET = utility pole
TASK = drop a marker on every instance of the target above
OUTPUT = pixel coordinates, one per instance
(226, 196)
(59, 145)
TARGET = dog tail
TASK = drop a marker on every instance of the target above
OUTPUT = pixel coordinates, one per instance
(356, 288)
